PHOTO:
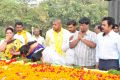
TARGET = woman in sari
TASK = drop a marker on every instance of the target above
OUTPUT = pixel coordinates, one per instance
(9, 47)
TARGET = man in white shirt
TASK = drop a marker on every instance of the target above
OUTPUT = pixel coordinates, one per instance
(22, 34)
(98, 29)
(116, 28)
(108, 46)
(71, 24)
(84, 43)
(37, 36)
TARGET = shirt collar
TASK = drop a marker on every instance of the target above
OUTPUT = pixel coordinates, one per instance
(58, 32)
(111, 33)
(88, 31)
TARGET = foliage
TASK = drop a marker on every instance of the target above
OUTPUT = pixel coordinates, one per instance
(42, 15)
(114, 72)
(2, 33)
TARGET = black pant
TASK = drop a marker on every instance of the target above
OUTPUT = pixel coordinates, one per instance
(108, 64)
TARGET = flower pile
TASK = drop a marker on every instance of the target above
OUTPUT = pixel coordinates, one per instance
(12, 70)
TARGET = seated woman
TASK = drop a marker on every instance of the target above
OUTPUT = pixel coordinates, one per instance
(36, 52)
(9, 47)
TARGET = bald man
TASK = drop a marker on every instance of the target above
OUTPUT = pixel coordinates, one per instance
(57, 38)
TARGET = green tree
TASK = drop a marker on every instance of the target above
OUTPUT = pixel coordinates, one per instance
(43, 14)
(75, 9)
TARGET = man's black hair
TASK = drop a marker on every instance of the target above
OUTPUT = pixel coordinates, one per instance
(71, 22)
(115, 26)
(18, 23)
(84, 20)
(100, 27)
(110, 20)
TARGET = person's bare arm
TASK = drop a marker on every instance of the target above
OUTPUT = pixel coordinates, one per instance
(89, 43)
(32, 47)
(74, 43)
(85, 41)
(16, 53)
(4, 44)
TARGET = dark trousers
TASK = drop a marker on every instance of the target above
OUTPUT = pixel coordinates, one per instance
(108, 64)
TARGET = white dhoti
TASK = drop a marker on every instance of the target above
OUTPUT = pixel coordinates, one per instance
(69, 57)
(50, 56)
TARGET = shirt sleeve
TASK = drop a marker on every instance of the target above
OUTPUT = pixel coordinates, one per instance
(75, 36)
(30, 38)
(43, 40)
(97, 50)
(94, 38)
(118, 44)
(47, 38)
(65, 44)
(19, 37)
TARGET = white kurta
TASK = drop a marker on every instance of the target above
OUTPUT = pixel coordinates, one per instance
(70, 58)
(39, 39)
(50, 42)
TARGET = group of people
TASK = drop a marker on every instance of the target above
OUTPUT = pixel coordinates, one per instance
(99, 49)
